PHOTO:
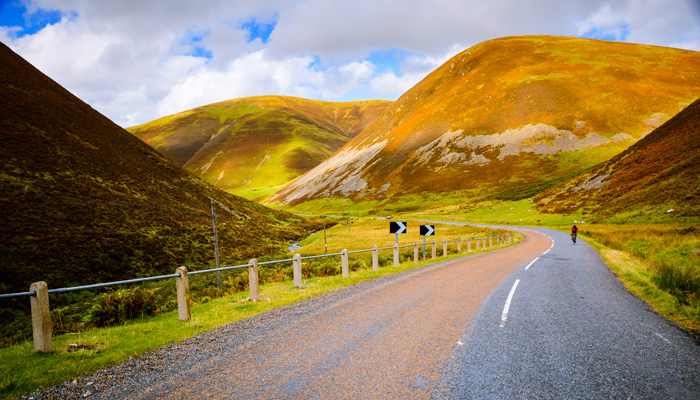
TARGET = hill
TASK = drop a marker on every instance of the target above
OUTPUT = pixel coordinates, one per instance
(507, 115)
(658, 173)
(84, 201)
(246, 144)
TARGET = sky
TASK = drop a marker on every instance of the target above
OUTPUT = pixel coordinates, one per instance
(138, 60)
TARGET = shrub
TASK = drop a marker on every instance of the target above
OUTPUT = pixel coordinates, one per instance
(124, 304)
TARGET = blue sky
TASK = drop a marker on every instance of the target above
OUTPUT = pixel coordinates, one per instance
(137, 60)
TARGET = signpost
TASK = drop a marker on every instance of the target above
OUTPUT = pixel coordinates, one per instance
(397, 227)
(426, 230)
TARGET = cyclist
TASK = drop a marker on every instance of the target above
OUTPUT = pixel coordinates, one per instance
(574, 233)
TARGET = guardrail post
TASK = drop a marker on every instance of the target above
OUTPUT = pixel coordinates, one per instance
(345, 264)
(253, 280)
(459, 246)
(444, 247)
(396, 254)
(469, 245)
(434, 249)
(375, 259)
(297, 270)
(490, 242)
(415, 252)
(477, 244)
(41, 319)
(483, 244)
(182, 283)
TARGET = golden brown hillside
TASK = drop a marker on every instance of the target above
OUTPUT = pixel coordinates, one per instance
(509, 113)
(251, 143)
(661, 172)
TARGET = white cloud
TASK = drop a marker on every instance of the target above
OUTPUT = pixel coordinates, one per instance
(137, 60)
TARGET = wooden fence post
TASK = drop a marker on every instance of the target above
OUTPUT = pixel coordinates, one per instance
(253, 280)
(375, 259)
(477, 244)
(459, 246)
(469, 245)
(297, 270)
(434, 249)
(396, 254)
(490, 242)
(345, 264)
(444, 247)
(41, 318)
(182, 283)
(415, 252)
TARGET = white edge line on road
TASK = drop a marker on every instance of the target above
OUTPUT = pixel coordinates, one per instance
(532, 262)
(507, 306)
(547, 251)
(661, 336)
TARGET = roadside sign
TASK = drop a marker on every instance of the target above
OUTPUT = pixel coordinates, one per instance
(427, 230)
(397, 227)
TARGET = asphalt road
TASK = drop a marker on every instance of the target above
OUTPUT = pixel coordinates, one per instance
(458, 329)
(390, 341)
(571, 331)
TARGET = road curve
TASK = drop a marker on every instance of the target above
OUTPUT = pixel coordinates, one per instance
(388, 342)
(571, 331)
(541, 319)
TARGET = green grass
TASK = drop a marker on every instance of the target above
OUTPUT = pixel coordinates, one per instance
(23, 370)
(658, 263)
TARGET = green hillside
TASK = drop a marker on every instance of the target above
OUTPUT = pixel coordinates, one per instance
(83, 201)
(249, 146)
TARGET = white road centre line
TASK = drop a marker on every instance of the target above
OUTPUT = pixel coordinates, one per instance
(504, 316)
(532, 262)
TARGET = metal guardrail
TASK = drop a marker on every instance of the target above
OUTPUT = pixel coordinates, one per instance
(153, 278)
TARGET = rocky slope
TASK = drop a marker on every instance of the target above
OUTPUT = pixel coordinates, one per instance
(509, 113)
(661, 172)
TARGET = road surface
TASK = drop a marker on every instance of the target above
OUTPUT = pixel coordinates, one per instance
(462, 328)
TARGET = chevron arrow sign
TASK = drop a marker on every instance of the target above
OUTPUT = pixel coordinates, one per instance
(397, 227)
(427, 230)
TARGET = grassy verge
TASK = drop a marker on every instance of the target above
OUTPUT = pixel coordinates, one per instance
(658, 263)
(22, 370)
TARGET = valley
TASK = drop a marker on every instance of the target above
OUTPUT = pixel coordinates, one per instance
(528, 133)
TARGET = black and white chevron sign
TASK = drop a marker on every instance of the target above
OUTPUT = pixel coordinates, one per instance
(397, 227)
(427, 230)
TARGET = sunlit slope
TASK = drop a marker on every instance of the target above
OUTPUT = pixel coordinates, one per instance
(257, 142)
(84, 201)
(658, 173)
(508, 113)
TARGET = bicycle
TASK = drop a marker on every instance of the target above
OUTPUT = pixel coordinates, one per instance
(573, 237)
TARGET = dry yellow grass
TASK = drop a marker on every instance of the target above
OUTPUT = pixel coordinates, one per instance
(373, 232)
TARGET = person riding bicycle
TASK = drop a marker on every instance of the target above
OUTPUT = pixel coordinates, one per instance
(574, 233)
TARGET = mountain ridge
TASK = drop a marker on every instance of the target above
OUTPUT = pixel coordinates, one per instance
(657, 174)
(551, 105)
(260, 141)
(84, 201)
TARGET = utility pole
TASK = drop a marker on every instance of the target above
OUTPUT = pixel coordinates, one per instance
(216, 245)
